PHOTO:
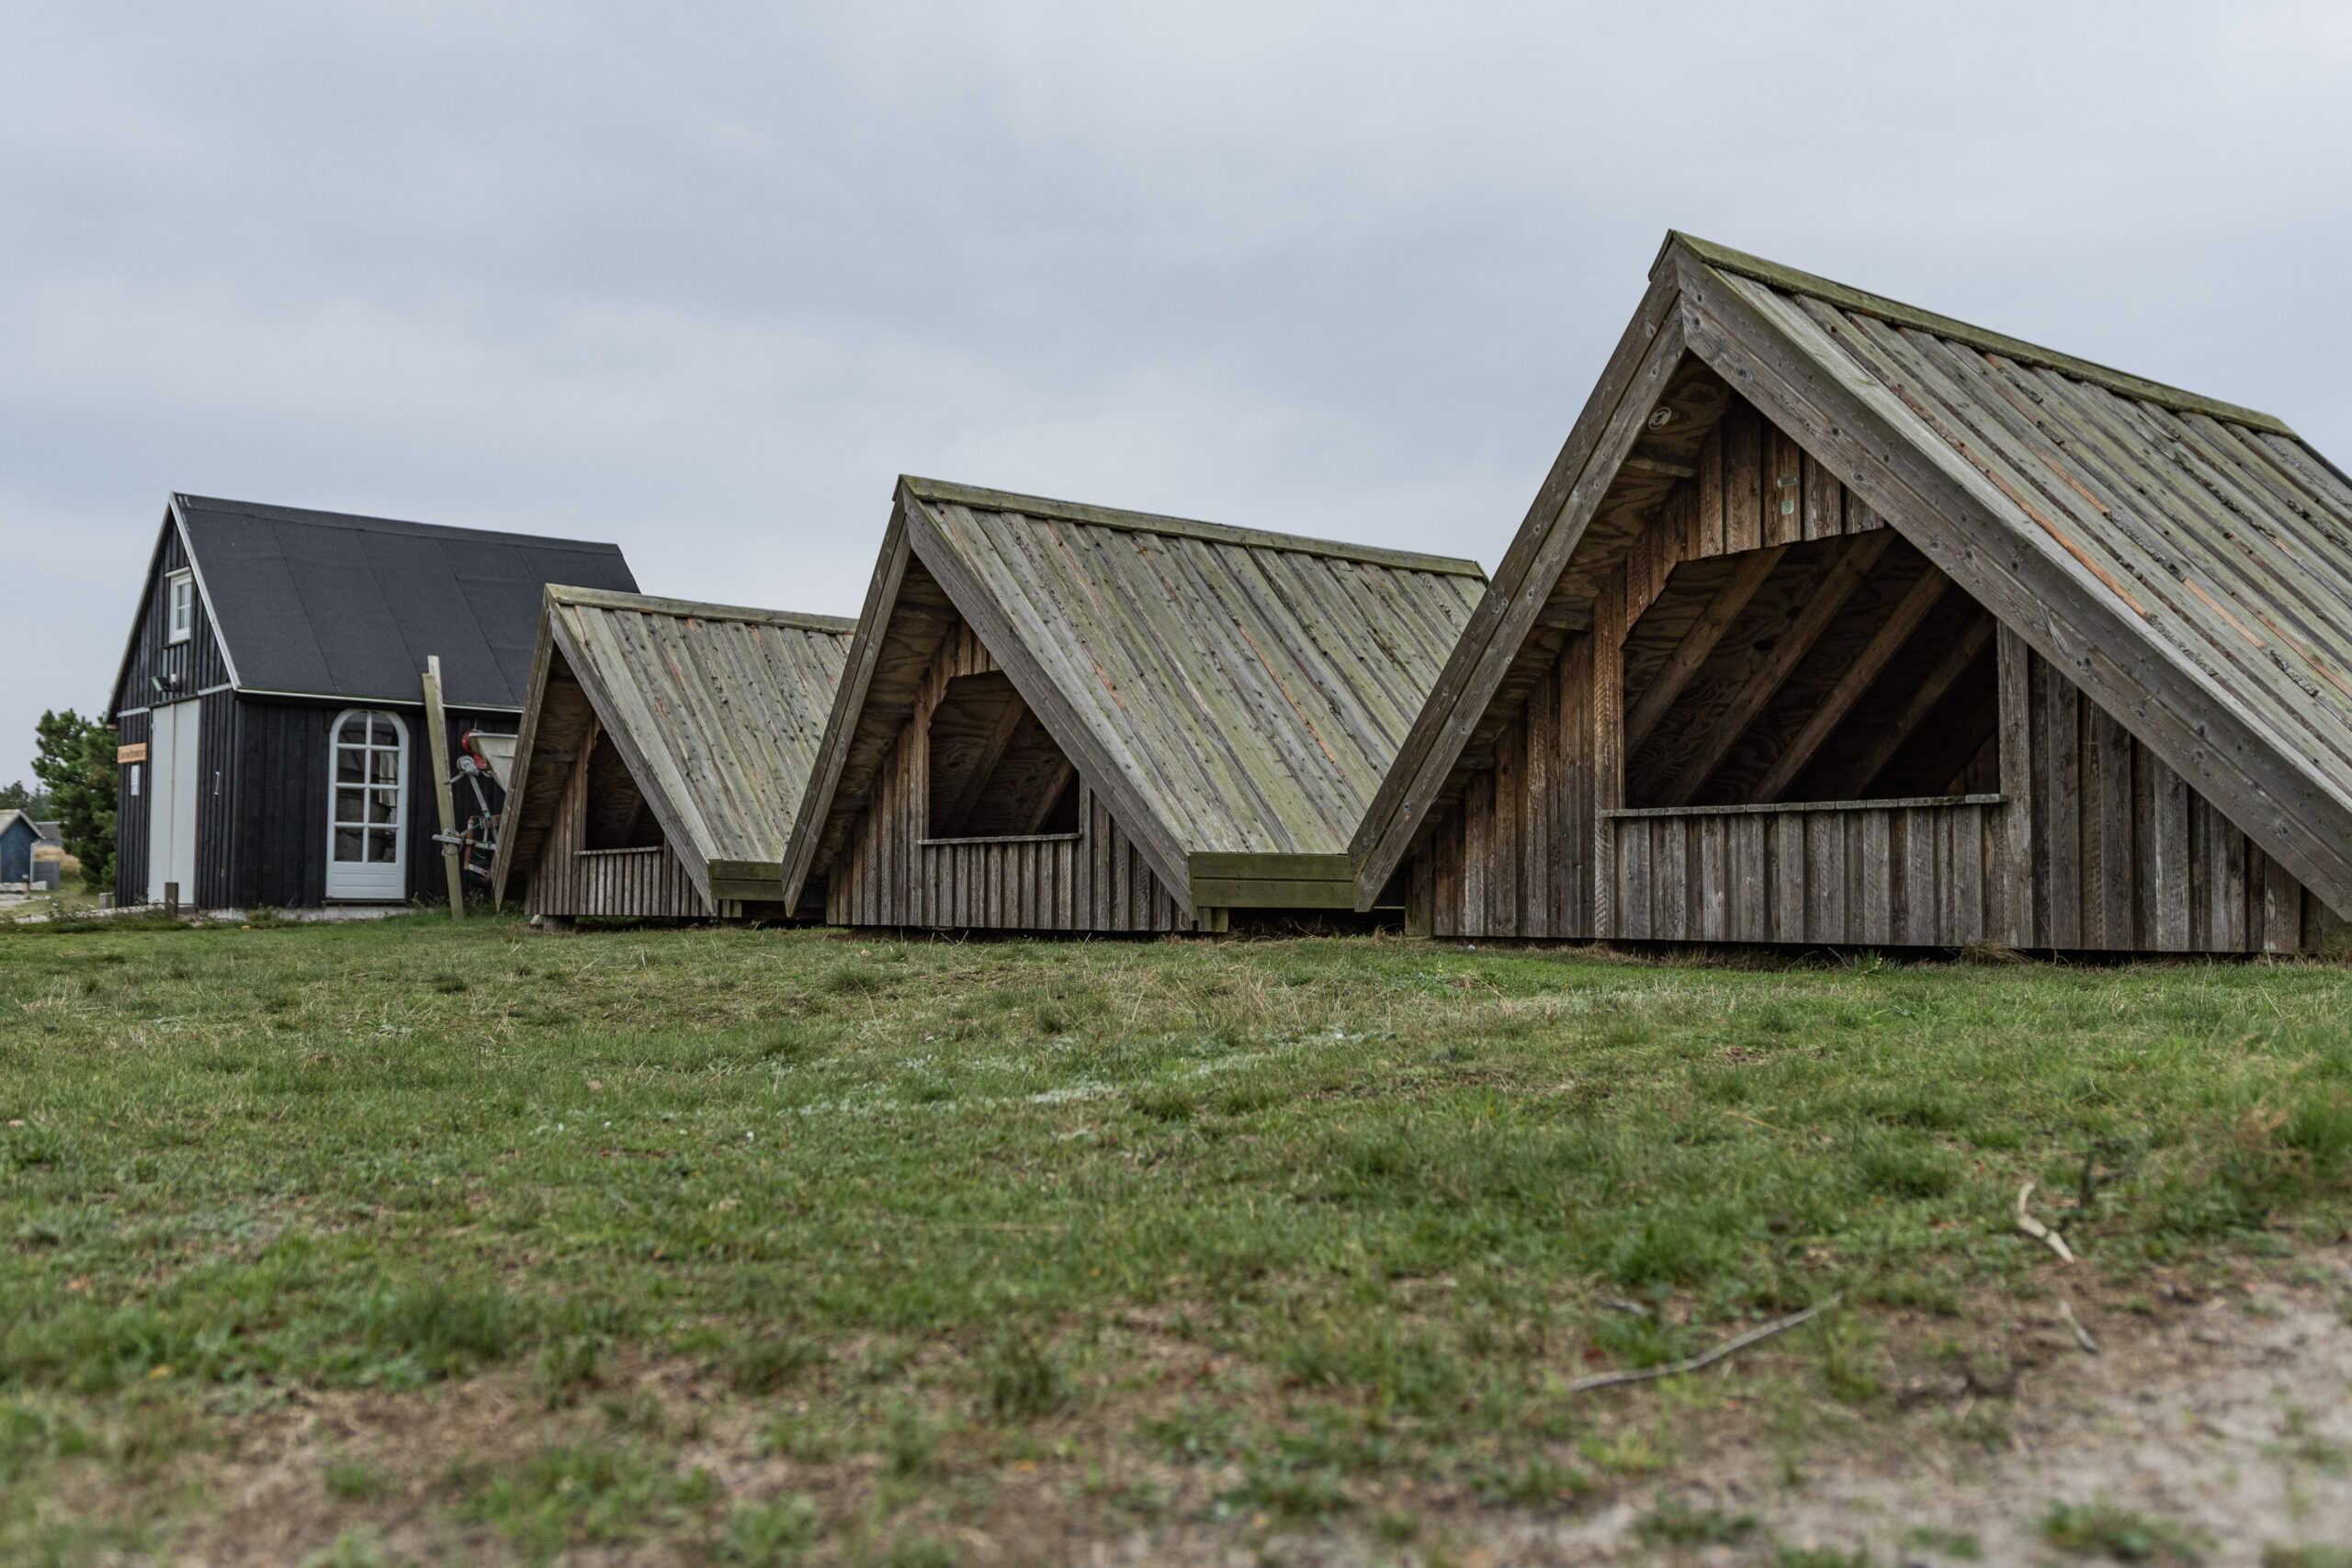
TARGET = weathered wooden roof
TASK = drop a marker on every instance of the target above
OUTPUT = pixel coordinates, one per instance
(2187, 561)
(1226, 690)
(717, 710)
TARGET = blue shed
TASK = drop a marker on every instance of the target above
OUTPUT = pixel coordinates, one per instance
(18, 834)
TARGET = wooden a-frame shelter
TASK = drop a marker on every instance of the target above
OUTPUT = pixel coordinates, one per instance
(1839, 621)
(1067, 718)
(663, 754)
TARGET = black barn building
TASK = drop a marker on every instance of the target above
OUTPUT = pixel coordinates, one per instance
(270, 708)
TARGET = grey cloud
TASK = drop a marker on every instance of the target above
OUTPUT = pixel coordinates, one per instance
(703, 280)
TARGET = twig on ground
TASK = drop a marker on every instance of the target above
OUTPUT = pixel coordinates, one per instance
(2082, 1334)
(1704, 1358)
(1758, 1119)
(2038, 1231)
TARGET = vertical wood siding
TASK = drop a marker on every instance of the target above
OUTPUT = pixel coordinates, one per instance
(263, 765)
(270, 832)
(885, 875)
(567, 879)
(131, 816)
(193, 666)
(2097, 844)
(216, 800)
(1894, 876)
(283, 771)
(2123, 855)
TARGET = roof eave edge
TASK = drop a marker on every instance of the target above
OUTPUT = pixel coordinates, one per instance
(686, 846)
(1644, 356)
(527, 739)
(800, 845)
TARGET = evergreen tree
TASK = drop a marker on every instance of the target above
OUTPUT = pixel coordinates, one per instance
(76, 767)
(33, 803)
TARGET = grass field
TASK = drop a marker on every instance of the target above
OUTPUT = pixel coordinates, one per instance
(720, 1246)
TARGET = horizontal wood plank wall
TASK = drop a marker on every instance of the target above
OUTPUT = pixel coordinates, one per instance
(2107, 849)
(887, 876)
(643, 883)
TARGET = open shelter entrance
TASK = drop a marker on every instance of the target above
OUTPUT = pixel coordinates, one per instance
(1829, 670)
(994, 771)
(1841, 622)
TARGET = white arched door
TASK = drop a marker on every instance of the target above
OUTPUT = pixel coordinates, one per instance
(367, 806)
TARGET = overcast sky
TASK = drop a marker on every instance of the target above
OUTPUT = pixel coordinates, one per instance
(702, 279)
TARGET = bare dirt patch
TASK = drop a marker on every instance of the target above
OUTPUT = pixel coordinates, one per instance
(2211, 1419)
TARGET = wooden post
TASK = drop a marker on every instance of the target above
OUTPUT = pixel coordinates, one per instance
(171, 900)
(437, 729)
(2013, 670)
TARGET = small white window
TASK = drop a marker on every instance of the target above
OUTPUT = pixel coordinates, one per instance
(134, 781)
(179, 598)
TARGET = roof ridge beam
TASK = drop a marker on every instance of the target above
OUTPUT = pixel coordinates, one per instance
(983, 499)
(1789, 280)
(654, 605)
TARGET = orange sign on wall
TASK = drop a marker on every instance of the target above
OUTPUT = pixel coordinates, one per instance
(134, 752)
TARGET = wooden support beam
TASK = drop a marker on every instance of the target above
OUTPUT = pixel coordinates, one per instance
(1051, 798)
(1747, 577)
(1966, 741)
(1836, 586)
(1931, 691)
(1667, 467)
(2014, 685)
(1900, 624)
(1272, 880)
(437, 732)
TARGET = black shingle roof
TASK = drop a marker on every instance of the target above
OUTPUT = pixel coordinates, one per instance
(326, 603)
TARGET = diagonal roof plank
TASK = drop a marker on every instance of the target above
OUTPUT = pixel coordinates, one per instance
(716, 710)
(1224, 691)
(2187, 561)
